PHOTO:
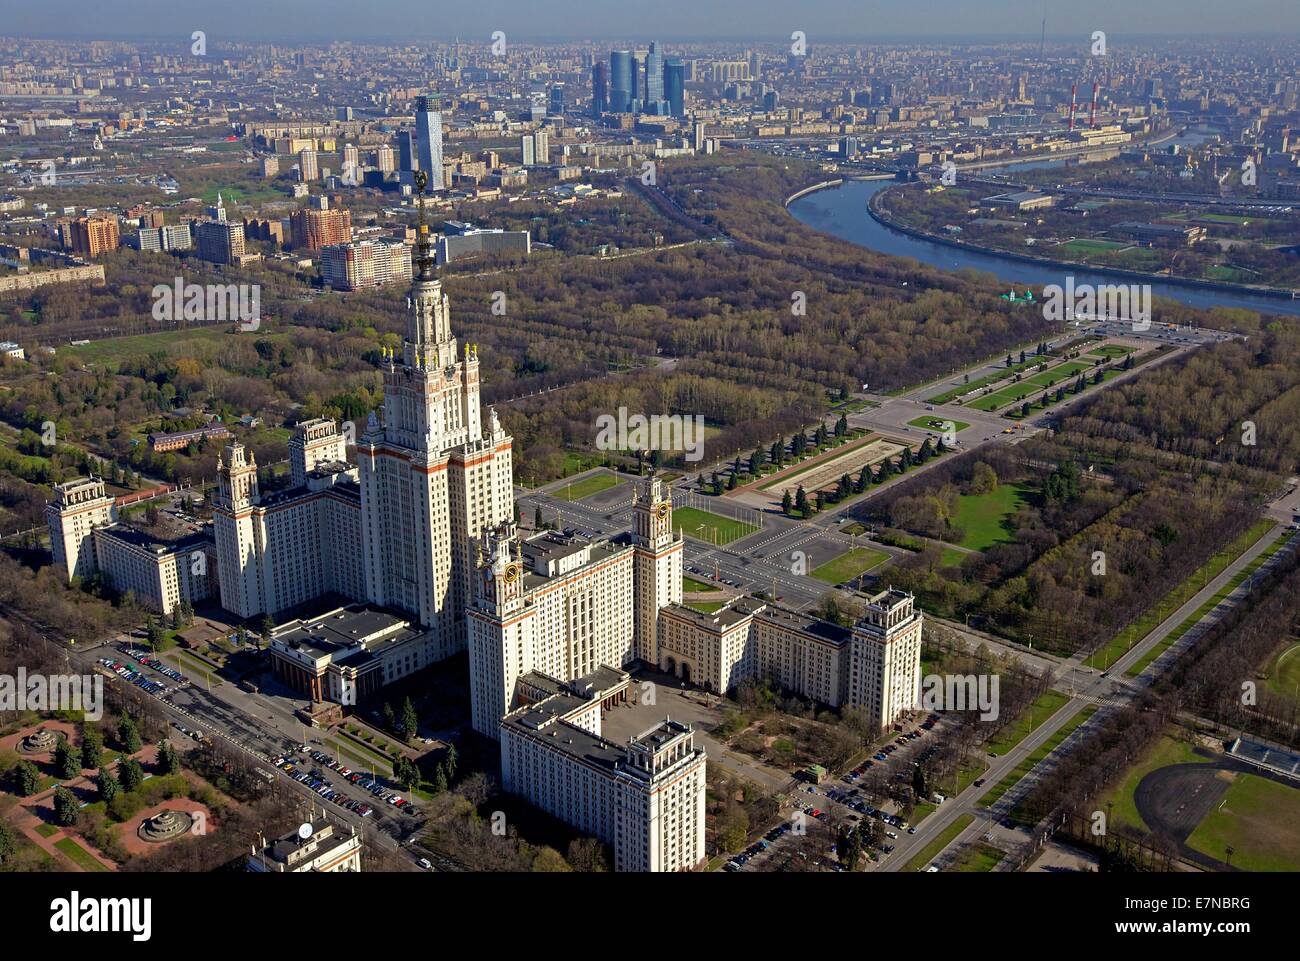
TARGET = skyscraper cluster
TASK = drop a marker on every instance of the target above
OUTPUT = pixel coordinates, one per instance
(651, 84)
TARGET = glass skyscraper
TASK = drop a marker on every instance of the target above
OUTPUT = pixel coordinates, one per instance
(428, 140)
(654, 79)
(621, 91)
(675, 87)
(599, 89)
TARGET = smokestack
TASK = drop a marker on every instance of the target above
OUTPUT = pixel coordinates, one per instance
(1074, 102)
(1092, 113)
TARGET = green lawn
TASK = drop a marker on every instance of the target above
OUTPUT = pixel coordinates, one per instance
(978, 857)
(705, 607)
(1119, 800)
(1044, 749)
(1048, 704)
(1259, 819)
(951, 557)
(591, 484)
(691, 586)
(79, 855)
(47, 830)
(849, 565)
(1284, 678)
(1111, 350)
(981, 516)
(931, 850)
(937, 424)
(114, 350)
(716, 528)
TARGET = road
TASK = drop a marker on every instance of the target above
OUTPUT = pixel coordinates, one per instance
(1106, 690)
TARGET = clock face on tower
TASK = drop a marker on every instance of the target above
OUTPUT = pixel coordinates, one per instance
(662, 510)
(511, 573)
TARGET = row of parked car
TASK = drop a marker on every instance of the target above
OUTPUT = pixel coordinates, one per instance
(758, 847)
(156, 688)
(316, 781)
(160, 666)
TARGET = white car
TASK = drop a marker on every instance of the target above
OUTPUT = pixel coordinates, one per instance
(424, 863)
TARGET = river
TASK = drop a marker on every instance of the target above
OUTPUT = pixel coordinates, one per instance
(842, 212)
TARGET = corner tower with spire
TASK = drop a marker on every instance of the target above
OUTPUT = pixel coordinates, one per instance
(432, 479)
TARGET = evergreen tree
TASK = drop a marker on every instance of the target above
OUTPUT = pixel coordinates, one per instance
(26, 778)
(92, 747)
(66, 761)
(410, 722)
(65, 806)
(801, 501)
(128, 735)
(130, 774)
(169, 758)
(107, 784)
(786, 503)
(537, 517)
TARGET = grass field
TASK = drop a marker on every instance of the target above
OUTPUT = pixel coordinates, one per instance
(1084, 246)
(937, 423)
(1284, 677)
(1103, 657)
(705, 607)
(113, 350)
(980, 516)
(1111, 350)
(931, 850)
(1259, 819)
(977, 858)
(47, 830)
(1044, 749)
(691, 586)
(1119, 800)
(951, 557)
(592, 484)
(849, 565)
(715, 528)
(79, 855)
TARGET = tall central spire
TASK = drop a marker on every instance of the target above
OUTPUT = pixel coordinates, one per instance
(429, 342)
(423, 259)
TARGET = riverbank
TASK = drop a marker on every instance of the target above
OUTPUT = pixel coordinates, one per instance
(881, 217)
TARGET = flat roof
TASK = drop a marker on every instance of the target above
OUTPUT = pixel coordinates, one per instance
(342, 629)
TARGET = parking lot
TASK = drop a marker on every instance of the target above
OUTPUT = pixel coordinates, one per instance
(846, 801)
(337, 784)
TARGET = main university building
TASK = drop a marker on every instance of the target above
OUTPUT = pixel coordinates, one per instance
(417, 535)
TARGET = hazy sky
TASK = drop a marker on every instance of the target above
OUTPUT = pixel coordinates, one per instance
(475, 20)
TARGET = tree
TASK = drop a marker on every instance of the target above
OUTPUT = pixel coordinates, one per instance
(983, 479)
(842, 426)
(128, 735)
(918, 782)
(587, 855)
(451, 761)
(786, 502)
(440, 780)
(390, 719)
(107, 784)
(9, 845)
(66, 761)
(801, 501)
(26, 778)
(169, 758)
(130, 774)
(537, 517)
(410, 722)
(154, 632)
(1024, 409)
(265, 629)
(92, 747)
(65, 806)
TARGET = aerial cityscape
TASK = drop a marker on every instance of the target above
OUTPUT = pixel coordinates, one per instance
(733, 439)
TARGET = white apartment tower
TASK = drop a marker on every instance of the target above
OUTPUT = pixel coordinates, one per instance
(77, 509)
(315, 441)
(432, 480)
(885, 657)
(658, 564)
